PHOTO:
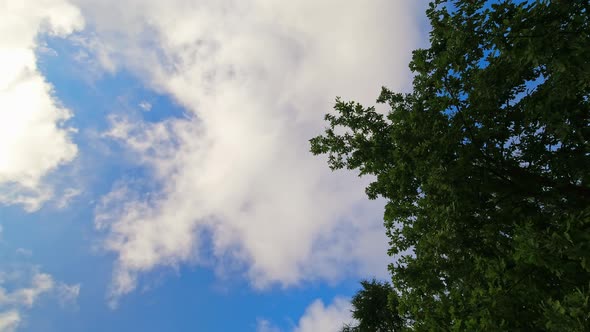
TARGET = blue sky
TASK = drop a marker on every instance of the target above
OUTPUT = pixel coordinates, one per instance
(154, 164)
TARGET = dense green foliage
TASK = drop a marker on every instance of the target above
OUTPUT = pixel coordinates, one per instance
(375, 309)
(485, 166)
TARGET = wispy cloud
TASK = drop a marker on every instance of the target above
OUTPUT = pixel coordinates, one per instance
(9, 320)
(144, 105)
(18, 296)
(263, 325)
(66, 197)
(41, 283)
(67, 295)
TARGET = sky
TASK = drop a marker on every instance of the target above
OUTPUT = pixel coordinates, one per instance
(155, 172)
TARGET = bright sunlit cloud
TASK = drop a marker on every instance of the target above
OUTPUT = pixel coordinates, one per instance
(33, 138)
(256, 78)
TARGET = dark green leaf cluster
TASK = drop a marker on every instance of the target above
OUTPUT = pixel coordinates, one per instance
(485, 166)
(375, 309)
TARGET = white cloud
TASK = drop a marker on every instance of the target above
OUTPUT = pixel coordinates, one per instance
(319, 317)
(68, 294)
(33, 140)
(24, 252)
(9, 320)
(257, 77)
(263, 325)
(67, 196)
(144, 105)
(17, 295)
(26, 296)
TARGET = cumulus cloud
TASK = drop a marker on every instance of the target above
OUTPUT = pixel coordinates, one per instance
(17, 296)
(256, 78)
(317, 317)
(331, 318)
(33, 139)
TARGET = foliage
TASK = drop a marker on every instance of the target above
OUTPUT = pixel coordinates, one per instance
(375, 308)
(485, 168)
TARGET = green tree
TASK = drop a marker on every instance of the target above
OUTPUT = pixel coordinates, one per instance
(485, 166)
(375, 309)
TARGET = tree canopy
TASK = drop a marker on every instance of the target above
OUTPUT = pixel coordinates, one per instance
(485, 168)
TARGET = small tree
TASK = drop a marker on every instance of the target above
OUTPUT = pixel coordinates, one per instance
(485, 166)
(375, 308)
